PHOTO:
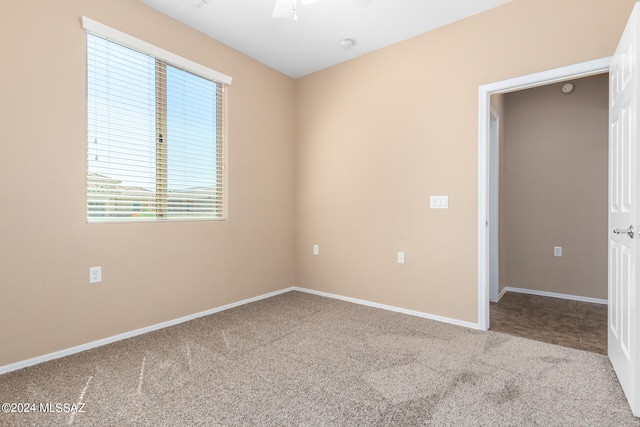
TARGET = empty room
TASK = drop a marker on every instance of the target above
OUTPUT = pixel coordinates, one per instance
(257, 212)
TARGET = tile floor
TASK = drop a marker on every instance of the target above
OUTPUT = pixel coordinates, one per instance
(558, 321)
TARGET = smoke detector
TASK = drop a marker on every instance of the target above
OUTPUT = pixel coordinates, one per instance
(567, 88)
(347, 43)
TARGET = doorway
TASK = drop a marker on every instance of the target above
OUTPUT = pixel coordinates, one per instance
(485, 246)
(548, 167)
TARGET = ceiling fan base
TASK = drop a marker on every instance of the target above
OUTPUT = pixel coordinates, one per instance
(286, 8)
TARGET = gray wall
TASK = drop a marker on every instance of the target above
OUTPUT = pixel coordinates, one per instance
(554, 181)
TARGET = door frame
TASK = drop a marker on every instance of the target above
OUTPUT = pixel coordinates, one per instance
(583, 69)
(494, 205)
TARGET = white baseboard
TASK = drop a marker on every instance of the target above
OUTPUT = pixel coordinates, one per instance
(391, 308)
(109, 340)
(500, 295)
(555, 295)
(98, 343)
(502, 292)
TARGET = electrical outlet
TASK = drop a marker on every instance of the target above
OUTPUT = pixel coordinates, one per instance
(557, 251)
(95, 274)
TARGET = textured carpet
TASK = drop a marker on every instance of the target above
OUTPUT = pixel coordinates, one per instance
(300, 359)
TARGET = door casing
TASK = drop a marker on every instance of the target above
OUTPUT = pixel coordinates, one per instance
(494, 206)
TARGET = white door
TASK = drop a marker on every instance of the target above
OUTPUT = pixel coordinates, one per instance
(624, 212)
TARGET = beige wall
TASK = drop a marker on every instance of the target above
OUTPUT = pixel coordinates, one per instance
(152, 272)
(555, 177)
(378, 135)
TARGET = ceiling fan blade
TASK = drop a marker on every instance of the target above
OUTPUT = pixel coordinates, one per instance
(362, 3)
(283, 9)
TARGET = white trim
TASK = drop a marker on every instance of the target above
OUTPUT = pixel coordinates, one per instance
(583, 69)
(501, 294)
(390, 308)
(556, 295)
(575, 71)
(109, 340)
(119, 37)
(493, 220)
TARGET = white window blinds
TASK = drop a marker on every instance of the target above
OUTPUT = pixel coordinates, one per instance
(155, 138)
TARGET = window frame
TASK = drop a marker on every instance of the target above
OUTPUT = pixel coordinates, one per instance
(180, 63)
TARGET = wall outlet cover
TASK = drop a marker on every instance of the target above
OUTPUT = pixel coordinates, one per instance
(95, 274)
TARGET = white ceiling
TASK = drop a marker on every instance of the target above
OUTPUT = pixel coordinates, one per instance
(312, 43)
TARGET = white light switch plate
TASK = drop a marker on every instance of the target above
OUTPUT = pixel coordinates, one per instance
(557, 251)
(400, 257)
(439, 202)
(316, 249)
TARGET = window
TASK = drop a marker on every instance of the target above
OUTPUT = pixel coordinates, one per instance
(155, 132)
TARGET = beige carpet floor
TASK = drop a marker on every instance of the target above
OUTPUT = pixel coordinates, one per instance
(300, 359)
